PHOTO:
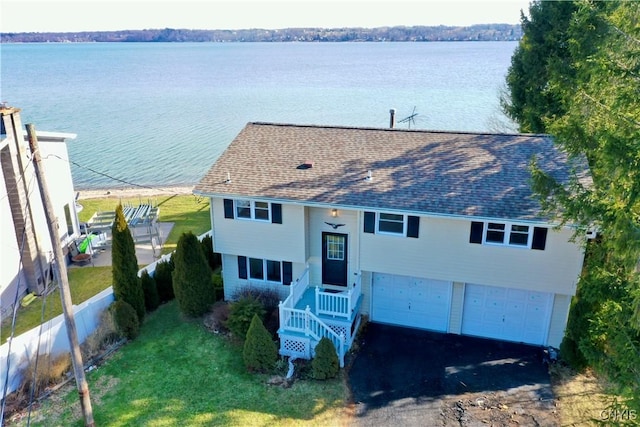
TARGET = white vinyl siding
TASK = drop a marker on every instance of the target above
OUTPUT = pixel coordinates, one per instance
(559, 315)
(261, 239)
(443, 252)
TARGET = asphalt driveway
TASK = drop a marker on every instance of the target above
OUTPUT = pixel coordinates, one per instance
(409, 377)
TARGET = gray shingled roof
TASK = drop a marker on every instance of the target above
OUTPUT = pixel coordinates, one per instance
(441, 173)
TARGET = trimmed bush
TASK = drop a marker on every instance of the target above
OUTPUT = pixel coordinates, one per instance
(192, 283)
(164, 280)
(241, 314)
(325, 364)
(218, 286)
(260, 352)
(150, 290)
(213, 258)
(267, 297)
(126, 319)
(126, 286)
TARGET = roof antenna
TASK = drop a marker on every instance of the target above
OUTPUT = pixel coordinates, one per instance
(410, 119)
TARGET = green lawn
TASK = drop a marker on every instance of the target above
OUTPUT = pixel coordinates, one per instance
(178, 373)
(83, 282)
(187, 212)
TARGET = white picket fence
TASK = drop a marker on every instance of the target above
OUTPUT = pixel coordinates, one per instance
(52, 335)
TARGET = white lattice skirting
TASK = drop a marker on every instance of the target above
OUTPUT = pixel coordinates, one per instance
(297, 347)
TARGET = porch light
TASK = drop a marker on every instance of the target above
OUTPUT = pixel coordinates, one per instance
(334, 213)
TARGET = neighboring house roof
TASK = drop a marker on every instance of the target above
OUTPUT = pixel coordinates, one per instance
(431, 172)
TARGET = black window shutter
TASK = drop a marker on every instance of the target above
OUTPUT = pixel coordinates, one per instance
(413, 226)
(242, 267)
(228, 208)
(276, 213)
(477, 228)
(539, 238)
(287, 273)
(369, 222)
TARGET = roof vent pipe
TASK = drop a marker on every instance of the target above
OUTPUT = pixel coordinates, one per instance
(392, 119)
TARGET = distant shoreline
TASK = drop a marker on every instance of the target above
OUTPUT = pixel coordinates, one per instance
(440, 33)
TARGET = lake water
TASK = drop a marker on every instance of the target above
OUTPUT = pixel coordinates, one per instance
(160, 114)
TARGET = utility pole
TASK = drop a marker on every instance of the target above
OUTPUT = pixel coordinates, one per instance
(63, 281)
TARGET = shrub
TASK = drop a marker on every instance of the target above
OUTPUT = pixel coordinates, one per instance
(150, 290)
(45, 372)
(241, 314)
(126, 285)
(105, 335)
(213, 258)
(260, 352)
(216, 319)
(164, 280)
(325, 364)
(218, 285)
(192, 283)
(126, 319)
(267, 297)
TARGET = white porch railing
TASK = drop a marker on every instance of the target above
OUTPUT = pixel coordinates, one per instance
(304, 321)
(340, 304)
(307, 323)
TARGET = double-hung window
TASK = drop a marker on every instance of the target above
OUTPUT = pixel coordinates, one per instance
(249, 209)
(508, 234)
(266, 270)
(391, 223)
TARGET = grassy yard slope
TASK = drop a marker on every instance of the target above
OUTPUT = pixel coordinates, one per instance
(177, 373)
(187, 212)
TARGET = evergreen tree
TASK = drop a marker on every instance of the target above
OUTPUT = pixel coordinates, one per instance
(192, 283)
(599, 120)
(124, 265)
(325, 364)
(148, 283)
(543, 52)
(164, 281)
(260, 352)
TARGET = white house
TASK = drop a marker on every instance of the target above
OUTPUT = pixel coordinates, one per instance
(433, 230)
(26, 246)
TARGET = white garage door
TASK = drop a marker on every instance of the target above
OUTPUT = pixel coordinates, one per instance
(506, 314)
(411, 301)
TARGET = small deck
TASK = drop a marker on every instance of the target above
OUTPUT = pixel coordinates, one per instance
(311, 313)
(308, 299)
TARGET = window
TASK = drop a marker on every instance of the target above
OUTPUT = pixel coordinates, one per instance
(261, 211)
(273, 271)
(497, 233)
(335, 247)
(243, 209)
(391, 223)
(256, 269)
(249, 209)
(264, 269)
(519, 235)
(69, 221)
(388, 223)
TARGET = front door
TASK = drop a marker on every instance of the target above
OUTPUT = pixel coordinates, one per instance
(334, 259)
